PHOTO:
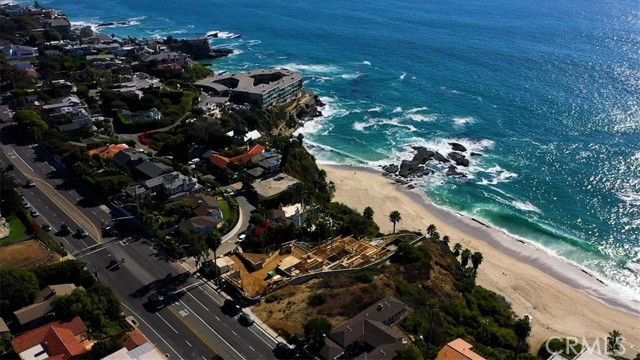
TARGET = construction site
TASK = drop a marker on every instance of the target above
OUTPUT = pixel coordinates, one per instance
(259, 273)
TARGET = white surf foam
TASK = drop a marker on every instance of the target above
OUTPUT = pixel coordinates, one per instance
(397, 110)
(312, 68)
(375, 109)
(351, 76)
(421, 118)
(402, 76)
(463, 120)
(366, 62)
(415, 110)
(222, 34)
(377, 122)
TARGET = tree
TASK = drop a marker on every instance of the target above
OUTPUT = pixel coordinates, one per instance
(395, 217)
(9, 198)
(446, 239)
(464, 258)
(522, 329)
(316, 328)
(637, 357)
(368, 213)
(103, 348)
(431, 229)
(457, 247)
(32, 122)
(614, 341)
(408, 353)
(19, 288)
(476, 259)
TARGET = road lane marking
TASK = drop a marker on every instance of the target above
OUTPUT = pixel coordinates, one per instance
(260, 337)
(195, 332)
(217, 318)
(198, 301)
(234, 333)
(165, 321)
(152, 329)
(212, 330)
(89, 253)
(21, 159)
(209, 295)
(251, 347)
(188, 343)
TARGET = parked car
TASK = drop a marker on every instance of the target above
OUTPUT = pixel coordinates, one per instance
(231, 308)
(10, 167)
(25, 204)
(34, 213)
(114, 265)
(82, 233)
(30, 183)
(46, 227)
(64, 229)
(245, 319)
(241, 238)
(283, 351)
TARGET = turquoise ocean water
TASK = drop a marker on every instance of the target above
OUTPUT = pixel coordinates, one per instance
(548, 92)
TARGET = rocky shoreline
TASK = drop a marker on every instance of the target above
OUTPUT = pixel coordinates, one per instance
(416, 167)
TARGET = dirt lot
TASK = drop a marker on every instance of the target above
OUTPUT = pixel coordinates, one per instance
(24, 254)
(255, 282)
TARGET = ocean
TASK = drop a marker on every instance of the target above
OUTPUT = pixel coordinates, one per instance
(547, 91)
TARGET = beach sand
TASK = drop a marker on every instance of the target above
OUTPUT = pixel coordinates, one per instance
(552, 291)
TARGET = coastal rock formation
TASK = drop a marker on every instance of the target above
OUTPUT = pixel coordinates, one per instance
(458, 158)
(391, 168)
(452, 170)
(407, 167)
(475, 154)
(422, 155)
(440, 157)
(457, 147)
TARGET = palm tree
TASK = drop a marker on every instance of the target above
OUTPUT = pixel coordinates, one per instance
(446, 239)
(395, 217)
(368, 213)
(614, 341)
(457, 247)
(476, 259)
(435, 236)
(431, 229)
(522, 329)
(464, 258)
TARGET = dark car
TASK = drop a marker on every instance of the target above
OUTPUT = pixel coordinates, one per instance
(82, 233)
(10, 167)
(231, 307)
(283, 351)
(114, 265)
(31, 183)
(64, 229)
(157, 301)
(46, 227)
(245, 319)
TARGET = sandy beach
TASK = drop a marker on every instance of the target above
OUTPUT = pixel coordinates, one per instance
(562, 299)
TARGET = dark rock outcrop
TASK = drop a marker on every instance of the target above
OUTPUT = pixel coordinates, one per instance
(440, 158)
(457, 147)
(458, 158)
(475, 154)
(407, 167)
(391, 168)
(422, 155)
(452, 170)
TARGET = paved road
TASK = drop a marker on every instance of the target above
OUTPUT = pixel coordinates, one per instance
(193, 327)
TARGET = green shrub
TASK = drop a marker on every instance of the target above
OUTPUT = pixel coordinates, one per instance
(317, 299)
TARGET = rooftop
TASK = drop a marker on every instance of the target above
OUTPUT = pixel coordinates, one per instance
(274, 185)
(458, 349)
(257, 81)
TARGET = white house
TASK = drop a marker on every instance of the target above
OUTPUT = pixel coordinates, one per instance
(17, 52)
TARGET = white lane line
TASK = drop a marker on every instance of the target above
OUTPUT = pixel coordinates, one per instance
(251, 347)
(234, 333)
(165, 321)
(260, 337)
(217, 318)
(30, 168)
(209, 295)
(213, 331)
(198, 301)
(152, 329)
(94, 251)
(94, 213)
(188, 343)
(203, 358)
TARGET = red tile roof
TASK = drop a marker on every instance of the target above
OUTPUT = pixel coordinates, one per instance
(134, 338)
(57, 336)
(222, 162)
(108, 151)
(458, 349)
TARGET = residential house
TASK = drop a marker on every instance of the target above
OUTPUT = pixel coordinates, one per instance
(3, 326)
(76, 127)
(151, 169)
(19, 52)
(142, 116)
(207, 211)
(199, 224)
(34, 313)
(129, 157)
(148, 351)
(274, 185)
(56, 340)
(28, 68)
(5, 113)
(63, 87)
(168, 58)
(169, 184)
(223, 161)
(374, 326)
(458, 349)
(295, 212)
(61, 25)
(244, 136)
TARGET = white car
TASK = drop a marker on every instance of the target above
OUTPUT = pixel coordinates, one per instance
(34, 213)
(241, 238)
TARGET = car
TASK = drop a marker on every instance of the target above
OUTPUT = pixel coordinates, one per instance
(34, 213)
(114, 265)
(245, 319)
(283, 351)
(64, 229)
(46, 227)
(30, 183)
(82, 233)
(241, 238)
(25, 204)
(231, 308)
(10, 167)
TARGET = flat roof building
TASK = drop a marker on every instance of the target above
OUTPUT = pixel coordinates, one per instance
(259, 88)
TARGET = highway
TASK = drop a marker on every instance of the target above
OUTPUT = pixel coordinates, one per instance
(192, 327)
